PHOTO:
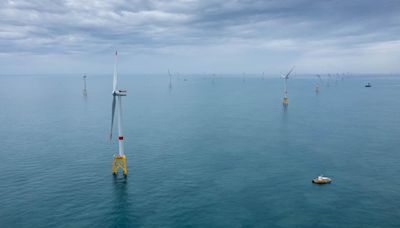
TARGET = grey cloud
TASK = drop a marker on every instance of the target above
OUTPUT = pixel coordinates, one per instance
(155, 26)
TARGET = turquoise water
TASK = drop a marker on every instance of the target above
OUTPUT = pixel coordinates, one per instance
(222, 154)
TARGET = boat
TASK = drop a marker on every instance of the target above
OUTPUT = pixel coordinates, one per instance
(368, 85)
(322, 180)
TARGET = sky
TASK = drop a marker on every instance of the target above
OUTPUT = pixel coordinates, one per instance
(199, 36)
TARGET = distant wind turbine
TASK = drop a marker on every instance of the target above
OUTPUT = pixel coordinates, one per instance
(119, 162)
(84, 86)
(318, 84)
(170, 79)
(285, 96)
(319, 78)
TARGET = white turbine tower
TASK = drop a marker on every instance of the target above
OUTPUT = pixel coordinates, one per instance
(285, 96)
(84, 86)
(318, 84)
(170, 79)
(119, 161)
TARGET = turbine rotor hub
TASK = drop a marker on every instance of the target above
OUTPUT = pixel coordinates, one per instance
(119, 92)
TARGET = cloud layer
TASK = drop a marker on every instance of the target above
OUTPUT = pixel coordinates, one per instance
(195, 35)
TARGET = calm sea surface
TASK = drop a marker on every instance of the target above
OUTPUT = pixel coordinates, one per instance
(204, 154)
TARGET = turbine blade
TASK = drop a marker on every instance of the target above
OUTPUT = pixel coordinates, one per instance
(115, 72)
(287, 75)
(112, 115)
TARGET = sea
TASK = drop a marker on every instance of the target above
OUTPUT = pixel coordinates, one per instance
(212, 151)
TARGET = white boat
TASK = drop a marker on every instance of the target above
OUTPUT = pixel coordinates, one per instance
(322, 180)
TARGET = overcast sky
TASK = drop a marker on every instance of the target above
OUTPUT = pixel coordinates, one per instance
(196, 36)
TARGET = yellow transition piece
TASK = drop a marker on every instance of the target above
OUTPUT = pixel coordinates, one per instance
(118, 163)
(285, 101)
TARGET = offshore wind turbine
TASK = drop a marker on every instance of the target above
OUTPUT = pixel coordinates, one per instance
(119, 161)
(319, 78)
(84, 86)
(170, 79)
(285, 95)
(318, 84)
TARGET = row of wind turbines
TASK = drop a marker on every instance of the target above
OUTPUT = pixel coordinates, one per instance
(119, 163)
(285, 77)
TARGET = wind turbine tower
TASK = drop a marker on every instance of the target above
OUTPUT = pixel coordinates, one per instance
(119, 161)
(318, 84)
(84, 85)
(170, 79)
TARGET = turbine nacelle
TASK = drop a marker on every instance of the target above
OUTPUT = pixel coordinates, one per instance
(119, 92)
